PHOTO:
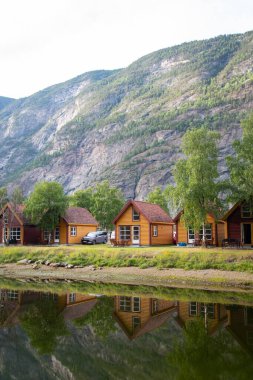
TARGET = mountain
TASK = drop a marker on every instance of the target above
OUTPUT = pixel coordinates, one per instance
(126, 125)
(5, 101)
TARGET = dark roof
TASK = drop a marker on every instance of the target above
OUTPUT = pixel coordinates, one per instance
(152, 212)
(78, 310)
(18, 211)
(79, 215)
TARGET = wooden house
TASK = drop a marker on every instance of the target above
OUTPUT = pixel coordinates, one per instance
(214, 231)
(75, 224)
(16, 227)
(142, 223)
(137, 316)
(239, 223)
(213, 314)
(240, 325)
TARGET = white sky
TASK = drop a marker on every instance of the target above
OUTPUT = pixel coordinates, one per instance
(44, 42)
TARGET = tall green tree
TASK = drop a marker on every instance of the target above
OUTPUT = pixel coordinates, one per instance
(158, 197)
(17, 196)
(241, 163)
(106, 203)
(82, 198)
(46, 204)
(196, 176)
(3, 197)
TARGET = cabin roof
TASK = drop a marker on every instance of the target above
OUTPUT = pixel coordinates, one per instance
(231, 210)
(152, 212)
(79, 215)
(78, 310)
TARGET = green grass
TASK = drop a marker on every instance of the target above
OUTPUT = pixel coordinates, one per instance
(144, 257)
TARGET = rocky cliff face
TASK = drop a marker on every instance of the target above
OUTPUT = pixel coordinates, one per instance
(126, 125)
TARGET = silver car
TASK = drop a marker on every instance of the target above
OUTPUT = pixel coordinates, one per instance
(95, 238)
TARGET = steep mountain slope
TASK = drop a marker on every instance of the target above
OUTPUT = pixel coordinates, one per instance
(126, 125)
(5, 101)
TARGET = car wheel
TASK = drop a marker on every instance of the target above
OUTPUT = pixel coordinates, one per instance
(94, 242)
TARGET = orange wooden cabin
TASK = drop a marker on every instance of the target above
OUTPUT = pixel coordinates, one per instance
(142, 223)
(214, 231)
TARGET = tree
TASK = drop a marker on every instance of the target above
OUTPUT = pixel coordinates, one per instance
(43, 324)
(197, 191)
(3, 197)
(17, 196)
(46, 204)
(106, 203)
(82, 198)
(241, 163)
(158, 197)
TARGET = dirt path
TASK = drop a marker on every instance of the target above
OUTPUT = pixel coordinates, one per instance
(207, 279)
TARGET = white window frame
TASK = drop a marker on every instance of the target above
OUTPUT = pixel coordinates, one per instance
(135, 215)
(12, 295)
(73, 231)
(125, 232)
(125, 304)
(136, 304)
(136, 322)
(246, 210)
(193, 309)
(208, 232)
(72, 297)
(155, 230)
(15, 233)
(191, 235)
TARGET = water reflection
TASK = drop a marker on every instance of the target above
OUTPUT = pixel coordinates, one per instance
(77, 336)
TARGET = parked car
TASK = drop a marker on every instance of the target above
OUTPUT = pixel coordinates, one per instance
(95, 238)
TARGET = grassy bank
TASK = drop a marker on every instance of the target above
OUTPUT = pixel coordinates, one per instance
(144, 257)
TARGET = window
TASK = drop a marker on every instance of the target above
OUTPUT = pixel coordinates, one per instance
(15, 233)
(193, 309)
(208, 232)
(72, 297)
(246, 210)
(209, 310)
(136, 304)
(155, 231)
(154, 306)
(136, 215)
(125, 233)
(191, 235)
(249, 316)
(250, 338)
(12, 295)
(136, 322)
(73, 231)
(46, 235)
(125, 303)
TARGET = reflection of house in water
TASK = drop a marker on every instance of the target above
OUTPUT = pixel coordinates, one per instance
(72, 305)
(240, 325)
(137, 316)
(214, 314)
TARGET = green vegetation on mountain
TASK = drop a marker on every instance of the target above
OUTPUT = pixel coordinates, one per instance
(126, 125)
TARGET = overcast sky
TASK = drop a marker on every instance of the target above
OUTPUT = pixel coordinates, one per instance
(44, 42)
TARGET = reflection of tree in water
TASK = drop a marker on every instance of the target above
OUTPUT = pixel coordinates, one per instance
(43, 324)
(100, 318)
(199, 356)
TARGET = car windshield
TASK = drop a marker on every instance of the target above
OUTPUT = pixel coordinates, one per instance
(91, 234)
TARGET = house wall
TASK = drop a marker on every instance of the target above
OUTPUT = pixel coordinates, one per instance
(126, 317)
(239, 327)
(31, 235)
(219, 314)
(13, 222)
(81, 230)
(165, 234)
(182, 231)
(126, 219)
(234, 222)
(220, 233)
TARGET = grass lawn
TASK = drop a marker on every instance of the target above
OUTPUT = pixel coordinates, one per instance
(142, 257)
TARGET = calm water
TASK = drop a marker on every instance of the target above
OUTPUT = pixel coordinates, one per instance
(88, 331)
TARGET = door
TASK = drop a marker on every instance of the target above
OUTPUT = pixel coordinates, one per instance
(57, 235)
(136, 235)
(247, 233)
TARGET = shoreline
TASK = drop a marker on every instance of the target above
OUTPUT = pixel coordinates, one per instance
(207, 279)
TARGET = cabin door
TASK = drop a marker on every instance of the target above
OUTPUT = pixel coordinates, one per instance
(136, 235)
(246, 231)
(57, 235)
